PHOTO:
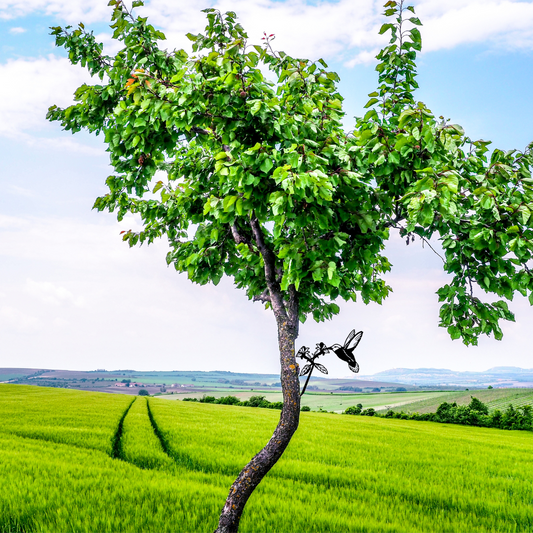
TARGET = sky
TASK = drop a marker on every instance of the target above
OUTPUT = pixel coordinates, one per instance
(74, 296)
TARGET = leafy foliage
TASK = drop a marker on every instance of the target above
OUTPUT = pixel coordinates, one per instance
(235, 147)
(443, 184)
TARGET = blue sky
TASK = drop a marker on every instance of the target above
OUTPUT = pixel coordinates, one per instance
(72, 295)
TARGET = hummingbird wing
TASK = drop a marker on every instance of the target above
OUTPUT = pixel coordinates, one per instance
(353, 340)
(349, 338)
(322, 368)
(305, 370)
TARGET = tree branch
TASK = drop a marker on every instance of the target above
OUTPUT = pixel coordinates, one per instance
(263, 297)
(237, 236)
(269, 259)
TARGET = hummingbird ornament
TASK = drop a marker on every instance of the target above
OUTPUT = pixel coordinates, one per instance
(344, 352)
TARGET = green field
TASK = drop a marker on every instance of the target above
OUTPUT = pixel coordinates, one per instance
(80, 461)
(337, 402)
(492, 398)
(409, 402)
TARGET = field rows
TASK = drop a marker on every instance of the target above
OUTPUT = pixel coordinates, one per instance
(175, 462)
(493, 398)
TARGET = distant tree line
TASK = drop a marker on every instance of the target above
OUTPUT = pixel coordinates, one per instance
(254, 401)
(476, 413)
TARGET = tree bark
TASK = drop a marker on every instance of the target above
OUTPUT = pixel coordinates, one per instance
(286, 313)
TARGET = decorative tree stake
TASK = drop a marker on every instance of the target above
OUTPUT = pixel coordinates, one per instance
(345, 353)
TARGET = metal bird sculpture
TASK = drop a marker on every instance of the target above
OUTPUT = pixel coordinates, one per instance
(345, 353)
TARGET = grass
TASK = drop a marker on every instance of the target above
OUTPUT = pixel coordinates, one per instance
(87, 420)
(139, 444)
(339, 474)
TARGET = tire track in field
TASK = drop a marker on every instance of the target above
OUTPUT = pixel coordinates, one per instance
(117, 445)
(157, 431)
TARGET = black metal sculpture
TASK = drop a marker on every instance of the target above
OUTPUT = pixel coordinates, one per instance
(345, 353)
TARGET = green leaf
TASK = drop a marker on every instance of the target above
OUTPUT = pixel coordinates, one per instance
(451, 181)
(256, 107)
(415, 35)
(332, 268)
(487, 201)
(372, 114)
(228, 203)
(371, 102)
(394, 157)
(525, 212)
(454, 332)
(266, 165)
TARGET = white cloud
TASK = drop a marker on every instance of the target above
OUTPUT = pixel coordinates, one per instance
(500, 23)
(346, 31)
(72, 11)
(323, 29)
(17, 30)
(136, 312)
(18, 321)
(51, 293)
(30, 87)
(343, 29)
(20, 191)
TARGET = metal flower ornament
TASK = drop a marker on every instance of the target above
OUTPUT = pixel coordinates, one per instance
(344, 352)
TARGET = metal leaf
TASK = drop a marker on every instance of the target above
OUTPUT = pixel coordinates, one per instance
(322, 368)
(305, 370)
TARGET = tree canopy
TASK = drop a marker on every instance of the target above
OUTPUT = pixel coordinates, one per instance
(203, 144)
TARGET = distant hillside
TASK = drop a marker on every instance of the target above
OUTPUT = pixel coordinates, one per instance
(182, 381)
(500, 376)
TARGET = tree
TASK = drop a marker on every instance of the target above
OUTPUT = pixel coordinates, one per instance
(264, 185)
(478, 405)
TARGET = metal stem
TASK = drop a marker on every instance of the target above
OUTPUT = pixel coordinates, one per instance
(307, 381)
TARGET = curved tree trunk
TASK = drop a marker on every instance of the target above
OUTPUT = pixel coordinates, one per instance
(252, 474)
(286, 313)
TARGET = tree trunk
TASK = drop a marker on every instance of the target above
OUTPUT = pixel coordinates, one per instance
(287, 319)
(252, 474)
